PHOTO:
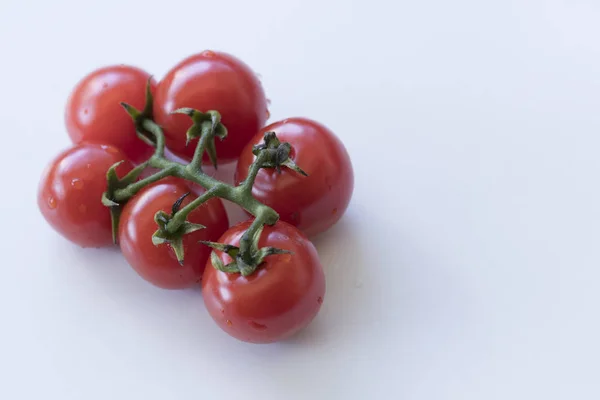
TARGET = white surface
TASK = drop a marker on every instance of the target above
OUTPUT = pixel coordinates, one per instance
(474, 274)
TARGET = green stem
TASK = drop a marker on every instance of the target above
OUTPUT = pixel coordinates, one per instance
(253, 171)
(180, 216)
(249, 255)
(153, 128)
(131, 190)
(196, 163)
(238, 195)
(249, 241)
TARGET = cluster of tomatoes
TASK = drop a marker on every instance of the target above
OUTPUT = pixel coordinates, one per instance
(285, 293)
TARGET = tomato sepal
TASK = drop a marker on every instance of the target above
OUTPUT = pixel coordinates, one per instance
(271, 251)
(177, 205)
(278, 154)
(115, 216)
(108, 202)
(206, 126)
(115, 183)
(164, 235)
(293, 166)
(231, 250)
(159, 237)
(139, 117)
(240, 264)
(209, 122)
(148, 110)
(189, 227)
(216, 262)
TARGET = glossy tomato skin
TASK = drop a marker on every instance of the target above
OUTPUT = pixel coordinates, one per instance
(158, 264)
(70, 193)
(211, 81)
(94, 114)
(277, 300)
(313, 203)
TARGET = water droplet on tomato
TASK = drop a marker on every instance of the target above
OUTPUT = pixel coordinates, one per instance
(222, 311)
(77, 183)
(208, 53)
(105, 85)
(334, 211)
(229, 323)
(82, 208)
(257, 326)
(268, 114)
(320, 300)
(285, 258)
(88, 166)
(85, 111)
(51, 202)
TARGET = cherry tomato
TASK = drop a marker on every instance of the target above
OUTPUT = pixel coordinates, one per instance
(70, 193)
(158, 264)
(313, 203)
(278, 299)
(211, 81)
(94, 113)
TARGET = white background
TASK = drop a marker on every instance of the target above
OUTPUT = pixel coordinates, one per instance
(467, 266)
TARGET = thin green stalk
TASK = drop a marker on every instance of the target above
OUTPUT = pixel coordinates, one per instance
(180, 216)
(253, 171)
(153, 128)
(249, 240)
(237, 195)
(131, 190)
(196, 163)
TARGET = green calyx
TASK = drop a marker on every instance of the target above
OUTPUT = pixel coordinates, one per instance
(278, 154)
(205, 125)
(140, 116)
(246, 258)
(114, 183)
(173, 236)
(239, 265)
(171, 228)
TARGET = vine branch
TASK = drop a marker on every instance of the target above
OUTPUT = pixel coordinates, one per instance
(206, 128)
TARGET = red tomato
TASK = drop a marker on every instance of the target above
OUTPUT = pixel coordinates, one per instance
(158, 264)
(94, 113)
(278, 299)
(313, 203)
(211, 81)
(70, 193)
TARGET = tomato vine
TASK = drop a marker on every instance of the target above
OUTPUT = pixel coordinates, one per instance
(206, 128)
